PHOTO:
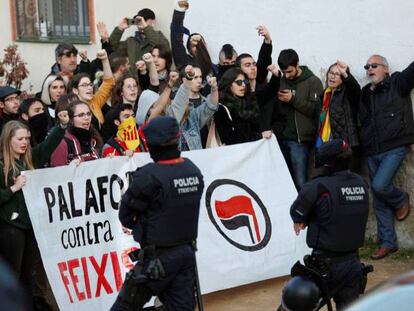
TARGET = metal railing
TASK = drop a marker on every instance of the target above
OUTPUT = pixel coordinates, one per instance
(52, 20)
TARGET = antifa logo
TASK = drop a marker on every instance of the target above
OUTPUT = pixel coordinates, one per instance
(244, 210)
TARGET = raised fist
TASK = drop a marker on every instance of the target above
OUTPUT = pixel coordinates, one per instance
(83, 55)
(189, 72)
(101, 54)
(141, 66)
(183, 4)
(212, 81)
(342, 67)
(273, 69)
(173, 79)
(147, 57)
(262, 31)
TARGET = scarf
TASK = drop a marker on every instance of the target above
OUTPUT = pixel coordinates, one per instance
(84, 137)
(162, 76)
(245, 109)
(325, 132)
(38, 126)
(128, 133)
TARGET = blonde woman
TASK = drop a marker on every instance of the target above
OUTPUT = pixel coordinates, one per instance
(17, 242)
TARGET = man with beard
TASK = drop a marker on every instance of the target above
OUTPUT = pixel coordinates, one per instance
(9, 103)
(32, 112)
(387, 128)
(291, 115)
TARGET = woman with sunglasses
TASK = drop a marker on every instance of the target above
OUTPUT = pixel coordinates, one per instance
(337, 116)
(82, 86)
(81, 142)
(237, 119)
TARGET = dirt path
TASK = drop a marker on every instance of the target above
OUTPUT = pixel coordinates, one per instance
(263, 296)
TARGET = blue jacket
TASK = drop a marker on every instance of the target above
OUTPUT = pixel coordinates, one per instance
(196, 120)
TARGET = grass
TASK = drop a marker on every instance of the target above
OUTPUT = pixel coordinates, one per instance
(371, 245)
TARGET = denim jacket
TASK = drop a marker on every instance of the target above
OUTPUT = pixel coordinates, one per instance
(197, 119)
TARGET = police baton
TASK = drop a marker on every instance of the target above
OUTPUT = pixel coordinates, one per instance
(197, 291)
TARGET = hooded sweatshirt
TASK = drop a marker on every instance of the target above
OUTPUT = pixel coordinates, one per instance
(297, 117)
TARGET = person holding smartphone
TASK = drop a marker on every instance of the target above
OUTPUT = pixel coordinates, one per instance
(145, 39)
(292, 112)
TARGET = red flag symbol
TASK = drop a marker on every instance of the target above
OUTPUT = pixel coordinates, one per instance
(237, 206)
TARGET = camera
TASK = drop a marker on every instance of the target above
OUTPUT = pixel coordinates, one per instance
(132, 21)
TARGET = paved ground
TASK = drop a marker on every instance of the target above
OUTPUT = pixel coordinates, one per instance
(265, 295)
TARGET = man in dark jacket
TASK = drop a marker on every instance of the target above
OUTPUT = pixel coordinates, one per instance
(292, 114)
(387, 128)
(145, 39)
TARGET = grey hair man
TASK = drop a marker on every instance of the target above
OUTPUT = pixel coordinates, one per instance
(387, 128)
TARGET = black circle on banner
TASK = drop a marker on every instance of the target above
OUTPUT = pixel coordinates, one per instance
(266, 238)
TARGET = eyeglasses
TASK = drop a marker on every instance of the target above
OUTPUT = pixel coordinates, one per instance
(373, 65)
(85, 85)
(336, 74)
(241, 82)
(10, 99)
(84, 115)
(70, 53)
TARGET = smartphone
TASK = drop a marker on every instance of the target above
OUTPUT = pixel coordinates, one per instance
(284, 87)
(131, 21)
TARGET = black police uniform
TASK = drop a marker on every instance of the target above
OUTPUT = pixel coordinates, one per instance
(161, 206)
(335, 209)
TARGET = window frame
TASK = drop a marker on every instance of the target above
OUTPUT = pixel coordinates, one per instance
(71, 39)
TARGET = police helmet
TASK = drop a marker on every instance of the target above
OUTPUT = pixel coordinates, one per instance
(161, 131)
(331, 151)
(301, 294)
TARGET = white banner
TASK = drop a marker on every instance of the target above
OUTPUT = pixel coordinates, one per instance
(245, 231)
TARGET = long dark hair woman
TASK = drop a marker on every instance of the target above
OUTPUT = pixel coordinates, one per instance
(81, 142)
(163, 61)
(237, 119)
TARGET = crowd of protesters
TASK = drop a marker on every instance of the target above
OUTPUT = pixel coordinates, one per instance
(97, 108)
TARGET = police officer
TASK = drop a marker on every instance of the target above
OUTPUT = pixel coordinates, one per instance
(161, 206)
(334, 207)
